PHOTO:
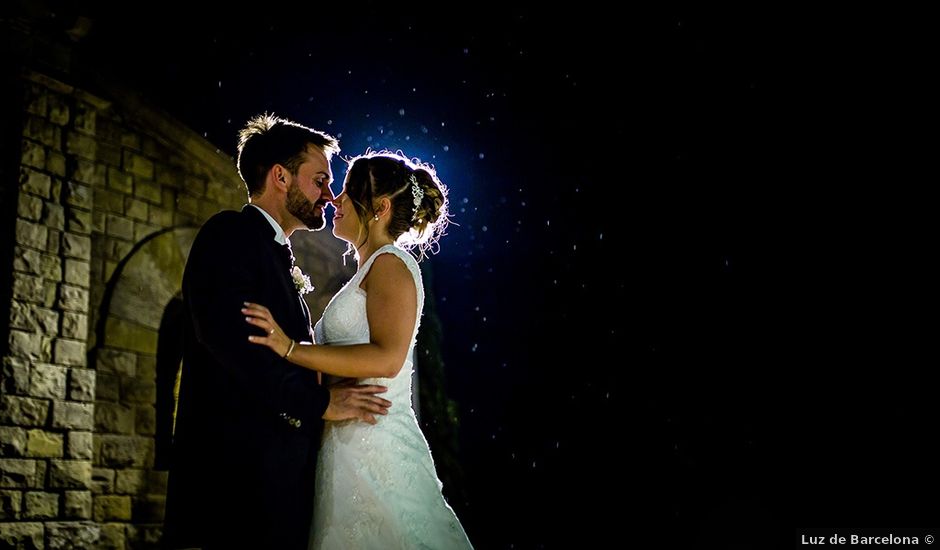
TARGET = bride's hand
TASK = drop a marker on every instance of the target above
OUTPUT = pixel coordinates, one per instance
(260, 317)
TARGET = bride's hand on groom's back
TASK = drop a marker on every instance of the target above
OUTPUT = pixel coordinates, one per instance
(351, 401)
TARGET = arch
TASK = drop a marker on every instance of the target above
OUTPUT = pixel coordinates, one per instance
(137, 337)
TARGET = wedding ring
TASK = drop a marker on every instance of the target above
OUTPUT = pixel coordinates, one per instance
(271, 331)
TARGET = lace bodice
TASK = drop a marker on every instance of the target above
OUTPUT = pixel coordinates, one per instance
(344, 322)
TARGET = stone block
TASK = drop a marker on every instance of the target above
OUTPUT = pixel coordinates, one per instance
(15, 376)
(18, 474)
(73, 298)
(112, 507)
(113, 536)
(79, 221)
(70, 474)
(82, 385)
(55, 163)
(11, 503)
(29, 208)
(34, 182)
(75, 325)
(113, 418)
(80, 145)
(76, 246)
(30, 345)
(77, 272)
(145, 421)
(33, 235)
(138, 165)
(79, 195)
(23, 411)
(47, 381)
(72, 535)
(73, 416)
(22, 535)
(41, 505)
(120, 227)
(12, 441)
(94, 174)
(148, 191)
(34, 262)
(116, 361)
(53, 216)
(70, 352)
(102, 481)
(77, 504)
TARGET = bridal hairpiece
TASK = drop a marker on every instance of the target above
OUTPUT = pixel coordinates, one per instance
(418, 195)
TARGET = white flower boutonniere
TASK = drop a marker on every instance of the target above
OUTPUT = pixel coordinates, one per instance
(301, 281)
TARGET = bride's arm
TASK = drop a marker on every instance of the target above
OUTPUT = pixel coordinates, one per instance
(391, 307)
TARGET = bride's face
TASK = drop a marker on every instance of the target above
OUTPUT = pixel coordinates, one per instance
(346, 224)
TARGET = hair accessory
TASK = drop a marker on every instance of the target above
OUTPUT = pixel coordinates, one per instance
(418, 195)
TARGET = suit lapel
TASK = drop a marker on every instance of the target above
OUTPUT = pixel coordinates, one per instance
(298, 323)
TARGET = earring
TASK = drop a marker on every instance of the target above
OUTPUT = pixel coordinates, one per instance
(376, 217)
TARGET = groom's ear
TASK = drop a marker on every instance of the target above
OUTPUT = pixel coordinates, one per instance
(278, 172)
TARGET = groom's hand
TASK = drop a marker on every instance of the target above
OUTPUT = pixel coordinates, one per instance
(356, 401)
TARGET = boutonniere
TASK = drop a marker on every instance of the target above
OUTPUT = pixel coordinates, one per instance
(301, 281)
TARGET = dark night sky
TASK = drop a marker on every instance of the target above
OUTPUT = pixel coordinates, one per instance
(655, 320)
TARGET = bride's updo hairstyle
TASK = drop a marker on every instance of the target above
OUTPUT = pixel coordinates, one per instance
(418, 214)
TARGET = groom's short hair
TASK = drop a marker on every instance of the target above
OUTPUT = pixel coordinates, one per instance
(267, 140)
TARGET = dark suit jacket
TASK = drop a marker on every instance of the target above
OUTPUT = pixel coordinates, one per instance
(248, 422)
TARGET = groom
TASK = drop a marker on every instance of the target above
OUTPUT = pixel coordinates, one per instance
(248, 423)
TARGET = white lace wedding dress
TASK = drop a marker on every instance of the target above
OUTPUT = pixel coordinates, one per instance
(376, 485)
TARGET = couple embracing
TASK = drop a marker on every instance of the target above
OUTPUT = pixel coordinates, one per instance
(292, 437)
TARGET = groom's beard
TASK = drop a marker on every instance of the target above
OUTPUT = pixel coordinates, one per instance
(304, 210)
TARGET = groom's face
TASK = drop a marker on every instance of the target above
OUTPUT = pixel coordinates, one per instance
(309, 190)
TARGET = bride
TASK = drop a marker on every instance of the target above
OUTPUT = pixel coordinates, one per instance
(376, 486)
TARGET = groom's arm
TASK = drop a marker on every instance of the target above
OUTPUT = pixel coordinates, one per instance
(224, 273)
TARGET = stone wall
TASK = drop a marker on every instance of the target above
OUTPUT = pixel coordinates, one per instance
(108, 196)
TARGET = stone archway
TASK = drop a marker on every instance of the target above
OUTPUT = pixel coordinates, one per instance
(129, 486)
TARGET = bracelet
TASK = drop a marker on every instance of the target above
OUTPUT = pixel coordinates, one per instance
(290, 349)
